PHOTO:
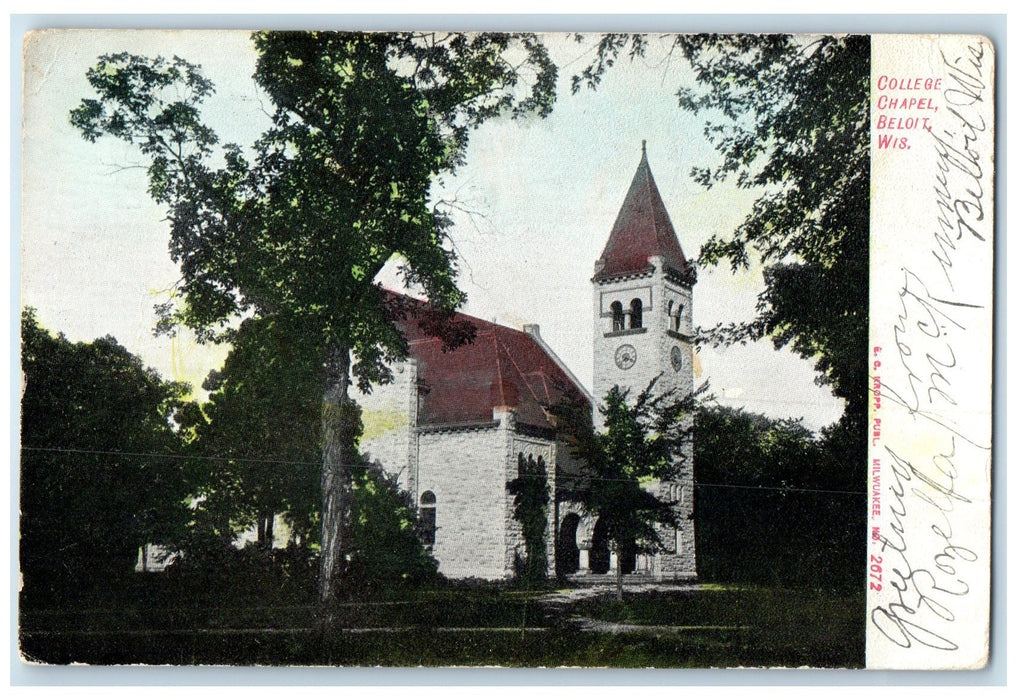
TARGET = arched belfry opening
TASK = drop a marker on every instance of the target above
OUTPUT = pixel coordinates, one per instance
(636, 313)
(617, 317)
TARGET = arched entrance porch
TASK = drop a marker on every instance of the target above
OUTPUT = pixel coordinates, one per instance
(603, 558)
(566, 554)
(600, 550)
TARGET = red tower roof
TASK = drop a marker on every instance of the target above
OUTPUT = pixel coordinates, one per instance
(643, 229)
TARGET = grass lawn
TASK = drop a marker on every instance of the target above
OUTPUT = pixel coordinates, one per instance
(709, 626)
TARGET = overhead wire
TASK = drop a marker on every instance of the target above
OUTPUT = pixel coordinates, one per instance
(257, 460)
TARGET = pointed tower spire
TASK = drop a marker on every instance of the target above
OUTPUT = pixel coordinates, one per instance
(642, 230)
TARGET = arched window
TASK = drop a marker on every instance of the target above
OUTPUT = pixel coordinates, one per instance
(428, 520)
(678, 317)
(636, 313)
(617, 317)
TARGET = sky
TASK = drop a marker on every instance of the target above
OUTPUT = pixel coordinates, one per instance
(537, 200)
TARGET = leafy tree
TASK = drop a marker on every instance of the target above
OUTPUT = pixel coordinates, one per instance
(642, 440)
(531, 498)
(362, 124)
(100, 468)
(774, 504)
(789, 115)
(258, 449)
(387, 552)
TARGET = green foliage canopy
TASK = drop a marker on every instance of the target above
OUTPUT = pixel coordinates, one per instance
(101, 473)
(387, 552)
(298, 224)
(258, 453)
(793, 116)
(775, 503)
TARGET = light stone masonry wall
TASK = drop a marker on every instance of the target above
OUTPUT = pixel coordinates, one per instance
(467, 469)
(390, 417)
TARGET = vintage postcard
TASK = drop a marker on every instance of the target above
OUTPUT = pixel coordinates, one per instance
(505, 349)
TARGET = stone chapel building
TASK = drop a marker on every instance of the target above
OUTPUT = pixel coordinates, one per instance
(454, 425)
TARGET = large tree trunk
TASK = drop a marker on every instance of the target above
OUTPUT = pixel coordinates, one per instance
(340, 423)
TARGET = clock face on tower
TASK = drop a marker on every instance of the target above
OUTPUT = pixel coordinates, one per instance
(625, 356)
(676, 357)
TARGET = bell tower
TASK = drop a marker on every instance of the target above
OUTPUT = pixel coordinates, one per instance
(642, 285)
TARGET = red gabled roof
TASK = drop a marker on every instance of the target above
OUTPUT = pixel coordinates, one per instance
(643, 229)
(501, 367)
